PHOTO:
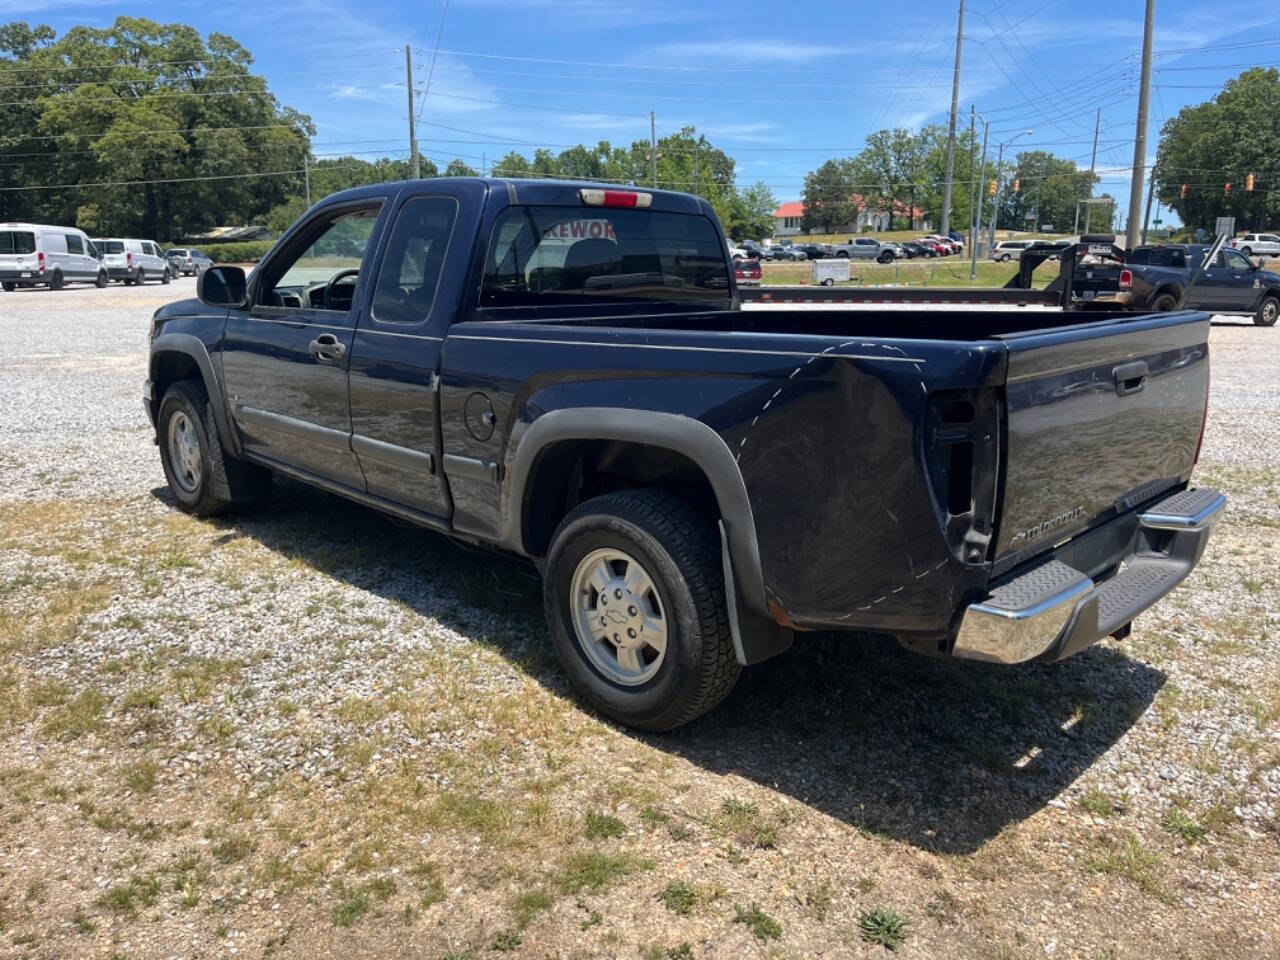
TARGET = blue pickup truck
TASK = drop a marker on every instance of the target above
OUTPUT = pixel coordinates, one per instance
(563, 371)
(1153, 278)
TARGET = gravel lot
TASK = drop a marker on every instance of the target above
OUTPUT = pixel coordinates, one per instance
(306, 730)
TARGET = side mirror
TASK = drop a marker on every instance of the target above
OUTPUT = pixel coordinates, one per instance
(222, 286)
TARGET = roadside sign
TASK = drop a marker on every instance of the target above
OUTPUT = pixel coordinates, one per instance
(1225, 225)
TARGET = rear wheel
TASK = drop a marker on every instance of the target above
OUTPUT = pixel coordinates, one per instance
(1268, 311)
(634, 594)
(9, 286)
(140, 277)
(1247, 251)
(1164, 303)
(55, 281)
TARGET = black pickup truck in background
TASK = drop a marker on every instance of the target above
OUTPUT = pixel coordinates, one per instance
(563, 371)
(1154, 278)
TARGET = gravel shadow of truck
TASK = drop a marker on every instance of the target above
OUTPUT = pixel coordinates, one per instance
(938, 754)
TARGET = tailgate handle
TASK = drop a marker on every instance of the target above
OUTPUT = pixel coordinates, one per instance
(1130, 377)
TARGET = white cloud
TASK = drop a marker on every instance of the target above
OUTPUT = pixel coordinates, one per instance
(748, 51)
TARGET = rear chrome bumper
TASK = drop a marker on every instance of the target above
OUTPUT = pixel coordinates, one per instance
(1056, 610)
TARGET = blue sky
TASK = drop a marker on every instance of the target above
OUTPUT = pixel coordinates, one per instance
(781, 87)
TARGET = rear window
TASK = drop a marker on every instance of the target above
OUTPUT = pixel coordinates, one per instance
(1159, 257)
(541, 256)
(109, 246)
(17, 241)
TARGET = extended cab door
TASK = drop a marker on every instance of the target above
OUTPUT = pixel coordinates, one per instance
(395, 355)
(1241, 285)
(285, 355)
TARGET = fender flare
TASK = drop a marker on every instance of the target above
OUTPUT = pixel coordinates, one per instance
(1168, 287)
(755, 634)
(193, 347)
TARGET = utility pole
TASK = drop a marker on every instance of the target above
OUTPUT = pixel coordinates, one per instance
(977, 229)
(653, 148)
(995, 203)
(951, 129)
(1151, 189)
(1093, 163)
(1140, 135)
(1036, 222)
(306, 176)
(972, 114)
(413, 139)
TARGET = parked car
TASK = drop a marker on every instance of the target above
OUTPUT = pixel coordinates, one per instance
(786, 253)
(958, 237)
(755, 251)
(188, 261)
(946, 245)
(736, 251)
(913, 249)
(1153, 278)
(623, 428)
(133, 261)
(814, 251)
(1007, 250)
(747, 272)
(931, 247)
(1251, 244)
(894, 249)
(40, 255)
(863, 248)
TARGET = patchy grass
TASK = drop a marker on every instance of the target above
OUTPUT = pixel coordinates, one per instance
(761, 925)
(1102, 804)
(1129, 858)
(1178, 823)
(525, 906)
(140, 890)
(82, 715)
(593, 871)
(679, 897)
(601, 826)
(741, 821)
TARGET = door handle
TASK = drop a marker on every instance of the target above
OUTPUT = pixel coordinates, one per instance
(1130, 377)
(326, 347)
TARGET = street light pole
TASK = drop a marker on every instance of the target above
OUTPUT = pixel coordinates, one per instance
(951, 131)
(1140, 134)
(977, 228)
(995, 210)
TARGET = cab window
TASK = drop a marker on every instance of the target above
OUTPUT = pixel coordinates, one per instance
(1237, 260)
(74, 245)
(321, 269)
(414, 259)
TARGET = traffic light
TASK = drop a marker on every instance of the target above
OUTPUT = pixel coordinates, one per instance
(1017, 185)
(991, 190)
(1184, 190)
(1248, 183)
(1227, 191)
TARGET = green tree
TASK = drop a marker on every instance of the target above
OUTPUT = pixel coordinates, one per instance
(889, 171)
(828, 196)
(751, 213)
(173, 122)
(457, 168)
(1047, 188)
(1221, 141)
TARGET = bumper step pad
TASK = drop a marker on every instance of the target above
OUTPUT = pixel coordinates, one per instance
(1054, 610)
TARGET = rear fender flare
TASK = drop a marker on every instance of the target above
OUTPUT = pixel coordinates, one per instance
(756, 636)
(193, 347)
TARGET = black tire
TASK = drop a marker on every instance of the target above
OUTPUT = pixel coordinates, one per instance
(9, 286)
(681, 553)
(102, 280)
(1164, 303)
(222, 480)
(842, 254)
(164, 277)
(885, 258)
(55, 281)
(1005, 258)
(1268, 311)
(141, 277)
(1247, 251)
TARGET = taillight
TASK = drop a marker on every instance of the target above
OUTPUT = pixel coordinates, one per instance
(615, 198)
(1126, 279)
(40, 260)
(128, 259)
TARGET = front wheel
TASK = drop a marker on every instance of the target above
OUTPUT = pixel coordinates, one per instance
(634, 595)
(55, 281)
(102, 280)
(10, 286)
(1005, 258)
(885, 258)
(1268, 311)
(164, 278)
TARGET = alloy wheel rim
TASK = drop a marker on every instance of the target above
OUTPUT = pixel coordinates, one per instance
(618, 617)
(184, 453)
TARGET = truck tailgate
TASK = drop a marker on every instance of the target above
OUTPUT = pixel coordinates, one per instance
(1091, 280)
(1101, 417)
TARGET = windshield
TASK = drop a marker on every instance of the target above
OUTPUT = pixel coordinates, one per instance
(17, 241)
(564, 255)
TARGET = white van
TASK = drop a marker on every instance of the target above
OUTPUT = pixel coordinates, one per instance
(1010, 249)
(133, 261)
(37, 255)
